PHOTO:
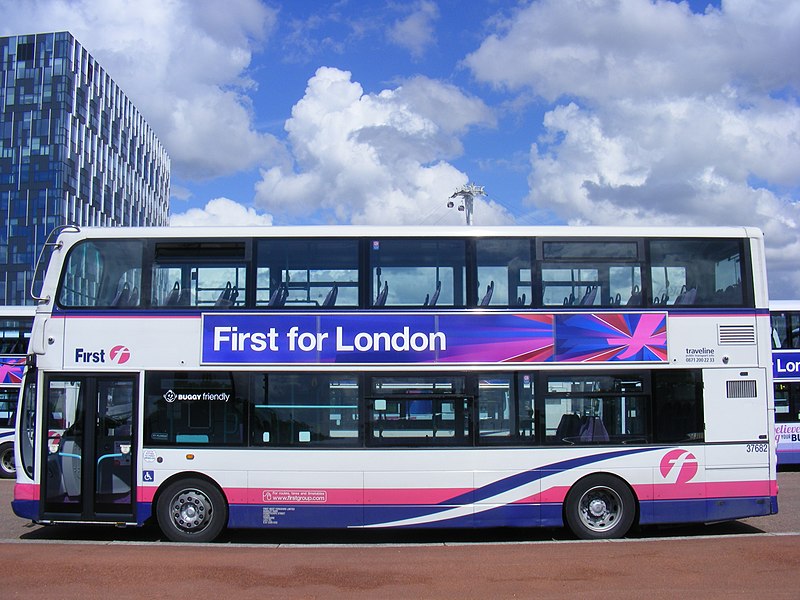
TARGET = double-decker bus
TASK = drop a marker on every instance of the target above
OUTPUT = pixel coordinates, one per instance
(15, 329)
(387, 377)
(786, 374)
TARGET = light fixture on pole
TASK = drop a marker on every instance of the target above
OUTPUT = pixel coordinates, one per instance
(466, 195)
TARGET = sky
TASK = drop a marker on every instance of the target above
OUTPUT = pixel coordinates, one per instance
(579, 112)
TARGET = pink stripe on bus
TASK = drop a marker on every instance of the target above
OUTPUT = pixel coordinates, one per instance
(26, 491)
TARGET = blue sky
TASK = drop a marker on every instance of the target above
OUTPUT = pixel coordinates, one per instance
(566, 111)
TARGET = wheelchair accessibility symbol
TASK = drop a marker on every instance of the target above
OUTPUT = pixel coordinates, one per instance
(148, 476)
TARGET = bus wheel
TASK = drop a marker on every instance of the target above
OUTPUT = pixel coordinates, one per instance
(7, 467)
(600, 507)
(191, 510)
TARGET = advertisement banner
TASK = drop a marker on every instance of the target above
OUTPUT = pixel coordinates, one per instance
(431, 337)
(786, 365)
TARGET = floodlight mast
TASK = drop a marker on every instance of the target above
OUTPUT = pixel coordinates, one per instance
(466, 194)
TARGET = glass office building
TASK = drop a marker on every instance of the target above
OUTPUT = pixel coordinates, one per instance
(73, 150)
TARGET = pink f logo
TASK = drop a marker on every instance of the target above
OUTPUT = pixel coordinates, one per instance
(679, 465)
(120, 354)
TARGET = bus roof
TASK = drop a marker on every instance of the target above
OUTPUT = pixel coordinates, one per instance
(333, 231)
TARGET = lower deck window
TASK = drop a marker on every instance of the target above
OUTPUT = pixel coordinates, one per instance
(195, 408)
(597, 409)
(350, 410)
(306, 410)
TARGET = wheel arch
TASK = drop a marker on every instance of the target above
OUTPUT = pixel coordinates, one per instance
(8, 446)
(189, 475)
(611, 474)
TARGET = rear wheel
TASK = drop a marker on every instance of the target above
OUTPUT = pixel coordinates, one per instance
(600, 507)
(8, 469)
(191, 510)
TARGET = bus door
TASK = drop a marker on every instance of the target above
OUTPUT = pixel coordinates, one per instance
(89, 458)
(735, 402)
(737, 432)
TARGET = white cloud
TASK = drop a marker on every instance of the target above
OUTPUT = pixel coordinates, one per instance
(220, 211)
(375, 158)
(415, 32)
(637, 48)
(673, 117)
(183, 63)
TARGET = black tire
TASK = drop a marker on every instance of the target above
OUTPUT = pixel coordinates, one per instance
(8, 468)
(191, 510)
(600, 507)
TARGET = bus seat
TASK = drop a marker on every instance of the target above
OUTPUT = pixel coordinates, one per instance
(330, 299)
(636, 297)
(224, 299)
(279, 296)
(284, 295)
(487, 297)
(381, 299)
(593, 430)
(70, 454)
(134, 297)
(174, 294)
(435, 296)
(568, 427)
(589, 296)
(123, 296)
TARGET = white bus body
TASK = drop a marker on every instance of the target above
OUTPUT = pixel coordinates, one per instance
(253, 377)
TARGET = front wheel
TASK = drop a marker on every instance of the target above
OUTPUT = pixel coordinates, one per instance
(191, 510)
(8, 469)
(600, 507)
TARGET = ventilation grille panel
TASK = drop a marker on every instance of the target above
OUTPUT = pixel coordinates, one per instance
(742, 389)
(737, 334)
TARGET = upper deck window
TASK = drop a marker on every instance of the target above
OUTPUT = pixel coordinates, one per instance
(408, 273)
(696, 272)
(200, 274)
(578, 273)
(307, 273)
(504, 272)
(103, 274)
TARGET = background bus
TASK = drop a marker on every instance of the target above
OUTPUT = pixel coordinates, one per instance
(15, 331)
(399, 377)
(785, 316)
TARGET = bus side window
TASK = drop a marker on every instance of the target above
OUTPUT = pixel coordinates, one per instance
(504, 272)
(420, 273)
(102, 274)
(581, 273)
(196, 274)
(696, 272)
(678, 406)
(307, 273)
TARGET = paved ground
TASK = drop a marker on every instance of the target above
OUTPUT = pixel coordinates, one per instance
(744, 559)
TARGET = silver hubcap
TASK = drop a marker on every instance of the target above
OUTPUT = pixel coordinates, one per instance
(191, 510)
(7, 459)
(600, 508)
